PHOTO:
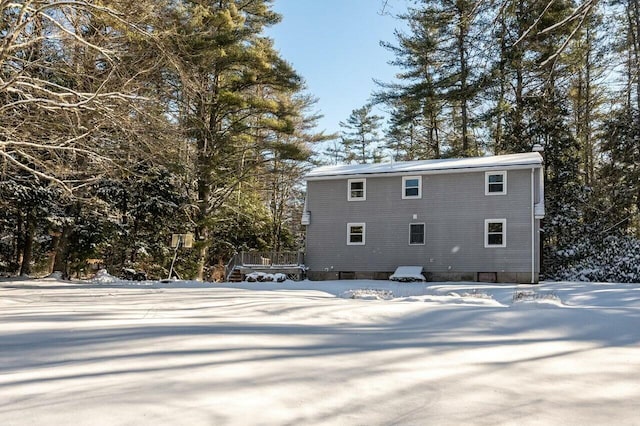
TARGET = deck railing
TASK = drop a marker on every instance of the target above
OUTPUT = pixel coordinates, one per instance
(270, 258)
(230, 266)
(265, 260)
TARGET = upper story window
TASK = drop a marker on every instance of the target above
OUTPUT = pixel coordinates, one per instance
(356, 234)
(495, 183)
(416, 234)
(411, 187)
(495, 233)
(357, 190)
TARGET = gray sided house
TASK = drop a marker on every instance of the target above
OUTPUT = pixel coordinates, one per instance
(460, 219)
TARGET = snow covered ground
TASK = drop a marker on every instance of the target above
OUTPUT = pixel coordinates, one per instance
(342, 352)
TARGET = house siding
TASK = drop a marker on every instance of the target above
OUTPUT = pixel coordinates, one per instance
(453, 208)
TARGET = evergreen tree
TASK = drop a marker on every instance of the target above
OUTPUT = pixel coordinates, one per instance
(620, 172)
(587, 62)
(415, 102)
(442, 72)
(360, 135)
(409, 137)
(27, 205)
(334, 153)
(143, 209)
(191, 90)
(229, 77)
(285, 168)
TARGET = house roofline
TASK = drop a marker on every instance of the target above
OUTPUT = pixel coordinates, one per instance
(469, 169)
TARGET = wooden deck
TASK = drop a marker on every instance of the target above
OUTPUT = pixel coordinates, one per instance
(244, 263)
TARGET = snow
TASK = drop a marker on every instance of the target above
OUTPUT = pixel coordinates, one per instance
(407, 273)
(103, 277)
(57, 275)
(318, 353)
(614, 259)
(263, 276)
(368, 294)
(527, 159)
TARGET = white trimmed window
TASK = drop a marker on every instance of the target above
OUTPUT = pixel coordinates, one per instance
(495, 233)
(495, 183)
(411, 187)
(357, 190)
(356, 234)
(416, 234)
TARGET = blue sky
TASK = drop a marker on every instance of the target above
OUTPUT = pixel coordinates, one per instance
(335, 46)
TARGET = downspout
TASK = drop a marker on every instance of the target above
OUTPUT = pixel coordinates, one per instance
(539, 208)
(533, 228)
(541, 192)
(306, 215)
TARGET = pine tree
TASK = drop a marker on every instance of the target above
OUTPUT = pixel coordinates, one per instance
(441, 77)
(334, 153)
(409, 137)
(415, 102)
(229, 77)
(587, 66)
(620, 171)
(361, 134)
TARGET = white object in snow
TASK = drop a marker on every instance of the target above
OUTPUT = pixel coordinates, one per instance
(408, 273)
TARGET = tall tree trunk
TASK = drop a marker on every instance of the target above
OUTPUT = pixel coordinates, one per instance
(464, 113)
(208, 142)
(518, 53)
(202, 231)
(588, 102)
(27, 252)
(435, 142)
(634, 29)
(55, 243)
(62, 252)
(498, 147)
(519, 113)
(124, 249)
(578, 116)
(19, 241)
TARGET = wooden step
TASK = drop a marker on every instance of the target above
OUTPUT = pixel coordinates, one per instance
(235, 276)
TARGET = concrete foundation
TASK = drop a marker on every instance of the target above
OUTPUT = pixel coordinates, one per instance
(487, 277)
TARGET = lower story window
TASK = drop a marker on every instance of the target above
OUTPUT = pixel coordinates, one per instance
(356, 234)
(416, 234)
(495, 233)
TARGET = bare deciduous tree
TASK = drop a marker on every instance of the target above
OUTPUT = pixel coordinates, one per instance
(69, 93)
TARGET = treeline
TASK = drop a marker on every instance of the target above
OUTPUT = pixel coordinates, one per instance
(482, 76)
(124, 122)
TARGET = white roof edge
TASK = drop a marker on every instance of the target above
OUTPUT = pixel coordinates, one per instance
(428, 167)
(425, 172)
